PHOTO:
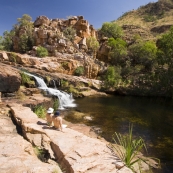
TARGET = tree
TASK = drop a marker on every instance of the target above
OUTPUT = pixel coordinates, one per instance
(26, 20)
(7, 42)
(144, 53)
(112, 77)
(26, 40)
(118, 50)
(93, 44)
(1, 43)
(165, 60)
(111, 30)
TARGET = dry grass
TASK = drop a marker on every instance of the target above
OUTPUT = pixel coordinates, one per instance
(136, 18)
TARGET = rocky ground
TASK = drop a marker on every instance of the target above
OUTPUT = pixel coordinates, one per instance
(68, 148)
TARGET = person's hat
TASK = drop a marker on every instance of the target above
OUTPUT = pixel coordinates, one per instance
(57, 113)
(50, 110)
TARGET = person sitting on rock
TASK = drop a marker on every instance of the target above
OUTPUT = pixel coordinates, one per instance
(57, 120)
(49, 116)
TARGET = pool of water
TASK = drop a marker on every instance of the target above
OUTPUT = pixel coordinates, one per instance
(152, 119)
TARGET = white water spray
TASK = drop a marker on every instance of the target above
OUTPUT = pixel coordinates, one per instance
(65, 99)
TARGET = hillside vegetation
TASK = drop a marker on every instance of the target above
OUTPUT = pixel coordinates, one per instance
(153, 18)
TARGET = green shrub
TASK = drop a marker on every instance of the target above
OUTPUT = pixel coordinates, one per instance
(25, 78)
(73, 90)
(112, 77)
(79, 71)
(56, 104)
(129, 148)
(40, 111)
(64, 83)
(69, 33)
(92, 44)
(109, 29)
(41, 51)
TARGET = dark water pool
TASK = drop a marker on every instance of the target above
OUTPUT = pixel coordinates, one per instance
(152, 119)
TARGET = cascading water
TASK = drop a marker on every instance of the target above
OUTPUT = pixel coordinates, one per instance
(65, 99)
(54, 84)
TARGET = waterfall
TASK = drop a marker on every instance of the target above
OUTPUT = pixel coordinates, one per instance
(54, 84)
(65, 99)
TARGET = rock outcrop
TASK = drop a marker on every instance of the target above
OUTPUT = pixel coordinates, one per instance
(10, 79)
(16, 154)
(76, 152)
(62, 63)
(49, 34)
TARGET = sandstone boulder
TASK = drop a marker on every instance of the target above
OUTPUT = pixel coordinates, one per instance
(3, 56)
(41, 20)
(10, 79)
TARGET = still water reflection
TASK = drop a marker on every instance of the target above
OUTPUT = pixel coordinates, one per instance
(152, 119)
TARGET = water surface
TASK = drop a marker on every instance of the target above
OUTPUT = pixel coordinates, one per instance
(152, 119)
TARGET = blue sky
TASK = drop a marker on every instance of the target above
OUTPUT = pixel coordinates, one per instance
(95, 11)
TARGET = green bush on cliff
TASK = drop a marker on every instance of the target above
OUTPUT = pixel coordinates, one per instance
(41, 52)
(111, 29)
(69, 33)
(92, 44)
(25, 78)
(79, 71)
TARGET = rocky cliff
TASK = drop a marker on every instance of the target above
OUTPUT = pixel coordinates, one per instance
(49, 34)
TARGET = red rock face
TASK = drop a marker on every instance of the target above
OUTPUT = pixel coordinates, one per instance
(10, 79)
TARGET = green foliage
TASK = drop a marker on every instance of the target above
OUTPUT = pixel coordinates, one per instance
(129, 149)
(69, 33)
(165, 46)
(73, 90)
(13, 57)
(164, 58)
(144, 53)
(25, 43)
(92, 44)
(25, 78)
(111, 30)
(26, 40)
(41, 52)
(112, 77)
(1, 43)
(79, 71)
(40, 111)
(40, 153)
(6, 41)
(56, 104)
(118, 51)
(64, 83)
(25, 20)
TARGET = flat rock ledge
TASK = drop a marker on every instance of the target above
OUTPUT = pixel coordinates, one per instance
(74, 151)
(16, 154)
